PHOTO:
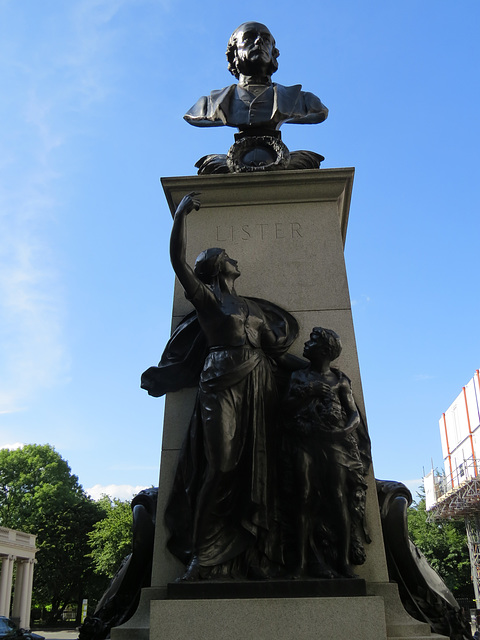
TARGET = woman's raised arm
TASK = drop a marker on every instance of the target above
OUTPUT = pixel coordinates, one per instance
(178, 245)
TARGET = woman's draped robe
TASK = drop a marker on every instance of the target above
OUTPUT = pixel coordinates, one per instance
(223, 505)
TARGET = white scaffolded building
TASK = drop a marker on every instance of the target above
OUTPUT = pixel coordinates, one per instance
(455, 493)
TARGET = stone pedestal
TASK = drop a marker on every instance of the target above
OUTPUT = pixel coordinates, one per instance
(291, 619)
(287, 230)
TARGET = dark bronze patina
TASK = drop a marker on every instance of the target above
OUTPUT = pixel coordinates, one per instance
(423, 592)
(257, 107)
(120, 600)
(229, 514)
(327, 453)
(223, 514)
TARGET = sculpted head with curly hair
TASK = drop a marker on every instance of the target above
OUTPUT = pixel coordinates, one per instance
(251, 51)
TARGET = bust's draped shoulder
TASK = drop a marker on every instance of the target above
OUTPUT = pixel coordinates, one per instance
(212, 110)
(290, 104)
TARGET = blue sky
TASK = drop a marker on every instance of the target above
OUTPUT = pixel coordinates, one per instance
(91, 117)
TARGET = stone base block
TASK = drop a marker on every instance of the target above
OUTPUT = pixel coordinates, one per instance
(138, 627)
(399, 623)
(362, 618)
(380, 615)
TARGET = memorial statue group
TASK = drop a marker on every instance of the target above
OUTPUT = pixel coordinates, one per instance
(271, 477)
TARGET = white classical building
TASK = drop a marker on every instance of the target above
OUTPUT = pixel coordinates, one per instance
(16, 549)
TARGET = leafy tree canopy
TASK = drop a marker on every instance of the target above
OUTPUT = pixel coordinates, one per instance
(111, 538)
(40, 495)
(445, 546)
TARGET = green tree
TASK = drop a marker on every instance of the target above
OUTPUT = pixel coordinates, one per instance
(444, 544)
(40, 495)
(111, 538)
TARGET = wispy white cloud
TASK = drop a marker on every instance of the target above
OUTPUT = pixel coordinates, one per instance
(418, 377)
(11, 447)
(93, 43)
(31, 312)
(120, 491)
(52, 78)
(364, 299)
(413, 486)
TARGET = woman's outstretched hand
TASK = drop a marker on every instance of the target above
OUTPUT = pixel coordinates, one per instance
(188, 203)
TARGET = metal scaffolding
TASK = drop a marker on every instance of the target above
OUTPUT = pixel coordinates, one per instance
(455, 493)
(459, 498)
(462, 501)
(472, 524)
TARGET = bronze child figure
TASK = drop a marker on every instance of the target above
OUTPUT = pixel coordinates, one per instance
(327, 454)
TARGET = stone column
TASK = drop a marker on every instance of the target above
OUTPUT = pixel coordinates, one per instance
(27, 594)
(22, 598)
(6, 585)
(17, 609)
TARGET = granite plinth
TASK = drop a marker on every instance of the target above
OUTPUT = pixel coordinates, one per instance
(380, 616)
(362, 618)
(287, 233)
(221, 589)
